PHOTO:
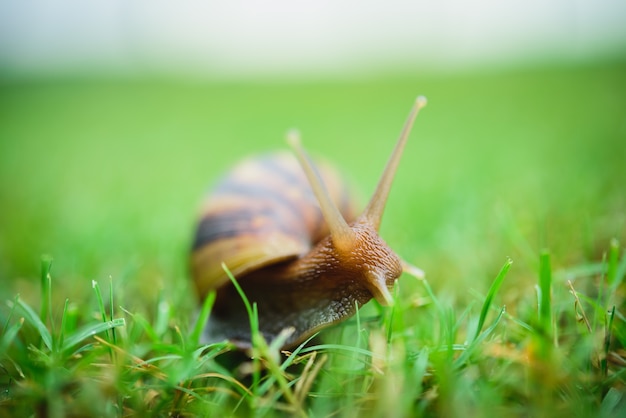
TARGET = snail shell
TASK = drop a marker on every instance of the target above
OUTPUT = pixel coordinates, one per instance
(289, 233)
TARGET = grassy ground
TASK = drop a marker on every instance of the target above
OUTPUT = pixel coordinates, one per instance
(524, 165)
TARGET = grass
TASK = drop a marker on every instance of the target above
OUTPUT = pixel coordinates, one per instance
(510, 196)
(511, 365)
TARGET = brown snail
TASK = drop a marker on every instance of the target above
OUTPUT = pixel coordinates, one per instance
(296, 248)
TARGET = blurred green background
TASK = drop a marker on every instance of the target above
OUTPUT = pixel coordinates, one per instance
(104, 172)
(106, 176)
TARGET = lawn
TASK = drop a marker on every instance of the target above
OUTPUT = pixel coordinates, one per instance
(511, 195)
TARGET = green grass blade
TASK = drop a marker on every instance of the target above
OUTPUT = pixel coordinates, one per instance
(290, 359)
(545, 297)
(464, 357)
(163, 315)
(255, 336)
(100, 300)
(12, 305)
(90, 331)
(158, 359)
(607, 341)
(392, 312)
(442, 313)
(610, 404)
(111, 314)
(63, 324)
(495, 286)
(421, 365)
(144, 324)
(242, 295)
(620, 272)
(32, 318)
(420, 371)
(251, 309)
(340, 348)
(9, 335)
(357, 317)
(203, 317)
(46, 266)
(613, 261)
(616, 270)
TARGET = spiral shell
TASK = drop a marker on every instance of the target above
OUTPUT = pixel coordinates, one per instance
(261, 213)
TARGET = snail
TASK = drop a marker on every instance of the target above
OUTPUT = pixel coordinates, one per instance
(289, 234)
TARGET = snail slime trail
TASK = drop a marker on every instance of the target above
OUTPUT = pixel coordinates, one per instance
(288, 231)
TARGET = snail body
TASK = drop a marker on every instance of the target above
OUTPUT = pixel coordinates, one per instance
(290, 235)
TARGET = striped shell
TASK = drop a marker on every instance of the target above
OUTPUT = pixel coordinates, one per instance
(261, 213)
